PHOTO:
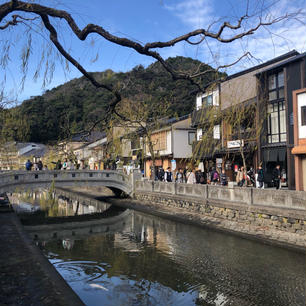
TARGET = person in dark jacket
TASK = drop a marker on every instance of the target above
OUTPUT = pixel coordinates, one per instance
(40, 165)
(223, 178)
(168, 175)
(161, 174)
(28, 165)
(276, 176)
(260, 177)
(58, 165)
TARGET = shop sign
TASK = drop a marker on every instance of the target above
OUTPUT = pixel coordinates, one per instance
(173, 164)
(235, 144)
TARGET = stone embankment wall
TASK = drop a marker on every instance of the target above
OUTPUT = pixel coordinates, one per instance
(275, 215)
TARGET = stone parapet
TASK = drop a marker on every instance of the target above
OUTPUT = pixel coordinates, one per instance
(288, 199)
(275, 215)
(280, 226)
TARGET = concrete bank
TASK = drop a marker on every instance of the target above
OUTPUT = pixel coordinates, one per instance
(277, 216)
(27, 277)
(248, 222)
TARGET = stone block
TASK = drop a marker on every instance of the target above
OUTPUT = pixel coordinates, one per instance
(291, 220)
(297, 226)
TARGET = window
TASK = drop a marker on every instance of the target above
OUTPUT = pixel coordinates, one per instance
(277, 131)
(276, 86)
(303, 115)
(207, 101)
(191, 137)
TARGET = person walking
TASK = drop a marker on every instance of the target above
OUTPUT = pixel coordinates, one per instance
(28, 165)
(65, 164)
(241, 176)
(161, 174)
(191, 178)
(40, 165)
(223, 178)
(276, 176)
(214, 177)
(179, 177)
(260, 177)
(58, 165)
(168, 175)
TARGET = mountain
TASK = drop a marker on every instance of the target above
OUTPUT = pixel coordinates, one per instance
(74, 105)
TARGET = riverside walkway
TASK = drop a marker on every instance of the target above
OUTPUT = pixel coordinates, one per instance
(27, 277)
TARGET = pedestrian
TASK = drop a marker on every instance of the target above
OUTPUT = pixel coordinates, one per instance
(202, 178)
(276, 176)
(185, 174)
(179, 177)
(241, 176)
(58, 165)
(251, 177)
(40, 165)
(28, 165)
(36, 166)
(161, 174)
(191, 178)
(260, 177)
(65, 164)
(168, 175)
(223, 178)
(214, 177)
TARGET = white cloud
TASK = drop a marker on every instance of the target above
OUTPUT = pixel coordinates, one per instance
(193, 13)
(267, 43)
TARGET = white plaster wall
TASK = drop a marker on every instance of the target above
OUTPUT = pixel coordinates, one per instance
(199, 134)
(181, 148)
(301, 102)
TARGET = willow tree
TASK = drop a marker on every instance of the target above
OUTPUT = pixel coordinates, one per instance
(141, 117)
(46, 23)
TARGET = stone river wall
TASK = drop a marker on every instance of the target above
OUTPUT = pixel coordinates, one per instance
(278, 216)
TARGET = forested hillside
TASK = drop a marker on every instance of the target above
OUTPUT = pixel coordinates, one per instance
(74, 105)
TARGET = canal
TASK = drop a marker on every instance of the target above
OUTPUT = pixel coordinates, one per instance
(153, 261)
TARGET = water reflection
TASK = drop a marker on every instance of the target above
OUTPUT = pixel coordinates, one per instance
(52, 203)
(153, 261)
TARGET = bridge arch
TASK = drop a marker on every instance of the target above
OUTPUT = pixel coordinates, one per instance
(11, 181)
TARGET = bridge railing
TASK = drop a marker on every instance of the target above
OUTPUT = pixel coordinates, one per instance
(15, 178)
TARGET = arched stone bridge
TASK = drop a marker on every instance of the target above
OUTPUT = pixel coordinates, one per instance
(11, 181)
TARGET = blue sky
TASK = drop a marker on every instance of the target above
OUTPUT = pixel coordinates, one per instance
(148, 21)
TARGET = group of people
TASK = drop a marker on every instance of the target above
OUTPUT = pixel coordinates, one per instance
(250, 178)
(59, 165)
(192, 176)
(66, 165)
(214, 177)
(37, 166)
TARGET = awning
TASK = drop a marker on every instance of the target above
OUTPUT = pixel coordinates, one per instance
(299, 149)
(282, 155)
(274, 155)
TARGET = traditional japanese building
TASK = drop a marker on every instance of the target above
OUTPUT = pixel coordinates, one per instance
(255, 118)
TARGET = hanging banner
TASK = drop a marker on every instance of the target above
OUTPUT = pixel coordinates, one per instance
(173, 164)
